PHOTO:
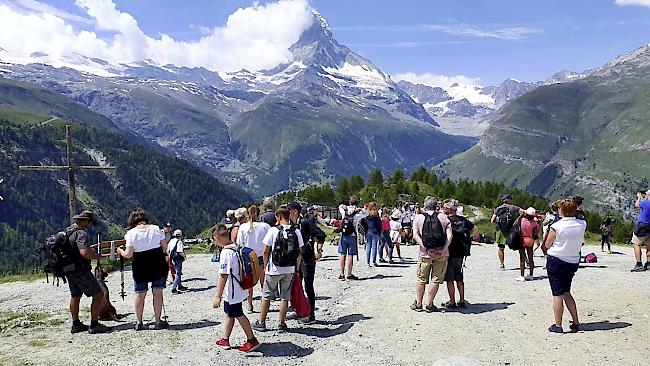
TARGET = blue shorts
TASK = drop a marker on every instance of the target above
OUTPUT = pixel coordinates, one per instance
(159, 284)
(560, 274)
(348, 245)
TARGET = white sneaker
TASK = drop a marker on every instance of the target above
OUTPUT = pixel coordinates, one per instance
(521, 279)
(292, 315)
(528, 278)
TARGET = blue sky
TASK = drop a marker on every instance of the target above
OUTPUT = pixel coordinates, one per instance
(490, 40)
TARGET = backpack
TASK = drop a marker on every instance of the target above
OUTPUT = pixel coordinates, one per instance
(249, 271)
(591, 258)
(461, 233)
(514, 239)
(347, 225)
(58, 254)
(286, 247)
(433, 234)
(504, 219)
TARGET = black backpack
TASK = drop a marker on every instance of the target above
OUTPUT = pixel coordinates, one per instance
(58, 255)
(513, 241)
(433, 234)
(347, 225)
(286, 247)
(504, 219)
(461, 233)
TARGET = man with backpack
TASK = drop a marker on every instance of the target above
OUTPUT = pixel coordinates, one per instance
(313, 236)
(350, 217)
(282, 256)
(432, 231)
(641, 233)
(81, 280)
(463, 231)
(504, 218)
(176, 253)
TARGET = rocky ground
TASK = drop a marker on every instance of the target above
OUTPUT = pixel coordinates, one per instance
(364, 322)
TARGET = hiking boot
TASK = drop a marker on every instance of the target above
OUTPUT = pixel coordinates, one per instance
(259, 326)
(415, 306)
(449, 305)
(251, 345)
(352, 277)
(81, 327)
(282, 328)
(431, 308)
(223, 343)
(341, 277)
(161, 325)
(308, 320)
(139, 326)
(182, 288)
(99, 328)
(639, 268)
(555, 329)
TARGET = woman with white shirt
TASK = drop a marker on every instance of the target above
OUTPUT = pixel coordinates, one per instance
(564, 241)
(251, 234)
(147, 246)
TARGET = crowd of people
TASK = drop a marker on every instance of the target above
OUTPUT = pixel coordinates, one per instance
(287, 245)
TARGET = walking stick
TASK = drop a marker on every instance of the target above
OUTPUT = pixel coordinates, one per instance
(122, 293)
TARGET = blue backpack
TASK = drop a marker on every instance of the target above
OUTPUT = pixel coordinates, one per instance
(249, 272)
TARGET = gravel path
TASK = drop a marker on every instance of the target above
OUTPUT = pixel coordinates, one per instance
(365, 322)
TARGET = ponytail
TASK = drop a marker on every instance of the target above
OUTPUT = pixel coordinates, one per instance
(253, 214)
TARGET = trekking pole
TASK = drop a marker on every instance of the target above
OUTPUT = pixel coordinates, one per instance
(122, 293)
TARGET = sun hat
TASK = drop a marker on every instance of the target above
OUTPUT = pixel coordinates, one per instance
(530, 211)
(85, 215)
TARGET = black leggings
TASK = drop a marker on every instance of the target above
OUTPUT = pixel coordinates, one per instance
(605, 239)
(308, 271)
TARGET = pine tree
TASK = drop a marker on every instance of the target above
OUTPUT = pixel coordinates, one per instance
(356, 184)
(376, 178)
(343, 190)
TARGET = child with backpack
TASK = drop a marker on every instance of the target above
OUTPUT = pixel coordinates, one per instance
(529, 228)
(395, 229)
(231, 281)
(282, 255)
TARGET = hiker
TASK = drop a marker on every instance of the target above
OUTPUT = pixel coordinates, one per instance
(282, 247)
(580, 214)
(504, 217)
(251, 234)
(551, 217)
(350, 217)
(607, 231)
(167, 231)
(146, 244)
(529, 231)
(269, 215)
(395, 236)
(407, 228)
(82, 281)
(385, 241)
(432, 232)
(229, 219)
(241, 216)
(463, 231)
(229, 280)
(641, 233)
(564, 241)
(176, 253)
(373, 228)
(314, 239)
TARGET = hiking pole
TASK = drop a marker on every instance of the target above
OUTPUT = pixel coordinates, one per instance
(122, 293)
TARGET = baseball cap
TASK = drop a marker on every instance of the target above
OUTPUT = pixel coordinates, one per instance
(294, 206)
(506, 196)
(530, 211)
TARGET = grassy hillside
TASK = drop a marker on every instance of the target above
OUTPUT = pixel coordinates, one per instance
(35, 204)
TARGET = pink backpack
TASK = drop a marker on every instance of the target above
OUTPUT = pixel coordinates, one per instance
(591, 258)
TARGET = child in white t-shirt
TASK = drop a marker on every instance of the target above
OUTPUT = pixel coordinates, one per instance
(234, 293)
(395, 229)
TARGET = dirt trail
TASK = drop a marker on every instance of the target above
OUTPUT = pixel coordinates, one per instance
(365, 322)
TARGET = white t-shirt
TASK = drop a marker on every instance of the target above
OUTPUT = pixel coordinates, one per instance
(395, 227)
(460, 211)
(143, 239)
(269, 241)
(229, 264)
(569, 236)
(175, 242)
(255, 239)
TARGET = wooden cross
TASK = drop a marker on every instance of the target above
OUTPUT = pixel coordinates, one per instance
(71, 168)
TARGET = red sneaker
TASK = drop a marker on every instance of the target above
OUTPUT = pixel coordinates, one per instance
(223, 343)
(251, 345)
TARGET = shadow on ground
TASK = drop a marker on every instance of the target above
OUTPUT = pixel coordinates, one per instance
(194, 279)
(481, 308)
(326, 329)
(196, 325)
(604, 325)
(378, 277)
(281, 349)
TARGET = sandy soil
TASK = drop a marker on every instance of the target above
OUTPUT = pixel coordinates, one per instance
(363, 322)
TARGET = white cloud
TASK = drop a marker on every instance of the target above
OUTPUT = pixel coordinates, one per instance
(633, 2)
(441, 81)
(256, 37)
(40, 7)
(503, 33)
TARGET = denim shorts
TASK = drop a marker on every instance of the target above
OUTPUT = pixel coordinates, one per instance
(159, 284)
(348, 245)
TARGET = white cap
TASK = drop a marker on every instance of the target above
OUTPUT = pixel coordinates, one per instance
(240, 212)
(230, 212)
(531, 211)
(178, 232)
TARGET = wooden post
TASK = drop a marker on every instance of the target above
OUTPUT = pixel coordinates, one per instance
(71, 168)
